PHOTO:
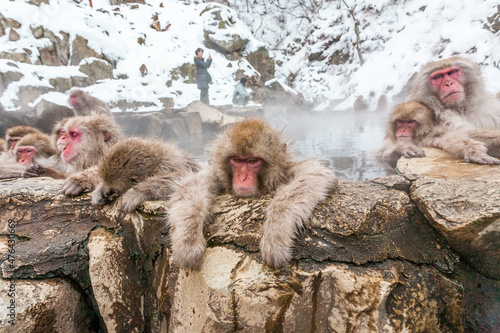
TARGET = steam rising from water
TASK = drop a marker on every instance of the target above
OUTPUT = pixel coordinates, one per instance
(343, 141)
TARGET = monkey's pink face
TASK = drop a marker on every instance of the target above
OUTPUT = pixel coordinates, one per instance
(63, 138)
(12, 141)
(245, 175)
(72, 143)
(25, 154)
(405, 129)
(74, 100)
(447, 84)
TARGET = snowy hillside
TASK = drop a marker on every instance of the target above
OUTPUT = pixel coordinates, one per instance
(315, 46)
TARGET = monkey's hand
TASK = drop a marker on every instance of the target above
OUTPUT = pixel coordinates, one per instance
(478, 155)
(276, 245)
(132, 199)
(34, 170)
(80, 182)
(101, 195)
(189, 207)
(410, 150)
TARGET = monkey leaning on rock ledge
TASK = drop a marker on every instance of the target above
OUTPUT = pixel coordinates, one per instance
(140, 169)
(250, 159)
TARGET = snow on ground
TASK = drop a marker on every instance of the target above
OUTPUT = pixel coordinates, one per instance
(398, 38)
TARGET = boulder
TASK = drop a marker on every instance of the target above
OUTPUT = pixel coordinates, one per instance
(49, 113)
(461, 201)
(81, 50)
(47, 305)
(96, 69)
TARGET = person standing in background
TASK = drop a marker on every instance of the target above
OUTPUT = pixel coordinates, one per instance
(203, 78)
(240, 94)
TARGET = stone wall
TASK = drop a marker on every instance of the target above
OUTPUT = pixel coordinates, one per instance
(395, 254)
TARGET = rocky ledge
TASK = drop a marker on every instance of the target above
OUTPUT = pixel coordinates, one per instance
(417, 252)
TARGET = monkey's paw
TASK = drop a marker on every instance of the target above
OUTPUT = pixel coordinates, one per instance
(131, 200)
(34, 170)
(480, 157)
(101, 194)
(190, 254)
(414, 152)
(274, 253)
(72, 186)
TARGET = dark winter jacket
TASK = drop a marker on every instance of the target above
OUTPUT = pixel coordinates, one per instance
(202, 76)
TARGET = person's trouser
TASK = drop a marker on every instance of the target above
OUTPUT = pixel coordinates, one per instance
(204, 96)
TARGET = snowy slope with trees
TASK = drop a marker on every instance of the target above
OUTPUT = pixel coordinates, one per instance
(330, 51)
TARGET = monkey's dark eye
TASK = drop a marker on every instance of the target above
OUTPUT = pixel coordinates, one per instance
(253, 160)
(437, 77)
(411, 121)
(453, 71)
(236, 159)
(134, 180)
(73, 134)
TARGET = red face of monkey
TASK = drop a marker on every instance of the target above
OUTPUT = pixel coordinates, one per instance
(63, 138)
(12, 144)
(245, 175)
(25, 154)
(69, 142)
(446, 84)
(405, 129)
(74, 99)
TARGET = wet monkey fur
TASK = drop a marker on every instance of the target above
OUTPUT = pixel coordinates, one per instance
(140, 169)
(250, 159)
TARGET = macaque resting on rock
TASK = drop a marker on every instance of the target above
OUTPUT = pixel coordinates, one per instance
(250, 160)
(140, 169)
(467, 116)
(12, 136)
(86, 141)
(412, 125)
(28, 150)
(409, 123)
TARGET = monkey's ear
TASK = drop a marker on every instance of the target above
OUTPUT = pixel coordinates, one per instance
(134, 179)
(106, 134)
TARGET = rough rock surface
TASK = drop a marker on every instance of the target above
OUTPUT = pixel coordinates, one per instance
(462, 201)
(369, 262)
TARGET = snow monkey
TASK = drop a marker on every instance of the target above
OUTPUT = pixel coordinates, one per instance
(83, 143)
(455, 85)
(33, 146)
(140, 169)
(84, 104)
(250, 159)
(408, 124)
(14, 134)
(412, 125)
(29, 150)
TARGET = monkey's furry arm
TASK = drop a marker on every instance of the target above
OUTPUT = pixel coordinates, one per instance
(152, 188)
(86, 180)
(291, 206)
(189, 207)
(460, 144)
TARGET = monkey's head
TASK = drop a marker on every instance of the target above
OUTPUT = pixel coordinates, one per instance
(33, 146)
(448, 83)
(87, 139)
(74, 97)
(251, 158)
(410, 122)
(129, 162)
(14, 134)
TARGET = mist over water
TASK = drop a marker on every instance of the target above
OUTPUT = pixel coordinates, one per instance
(344, 141)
